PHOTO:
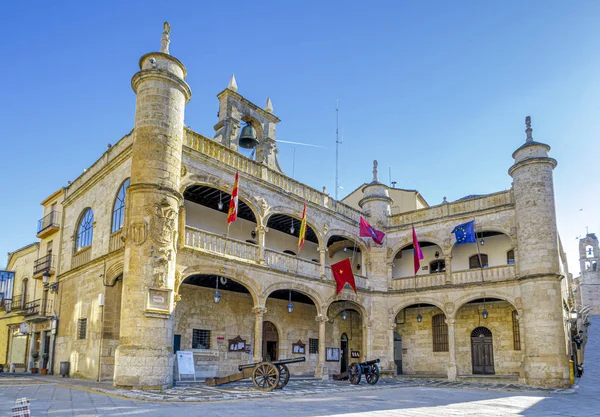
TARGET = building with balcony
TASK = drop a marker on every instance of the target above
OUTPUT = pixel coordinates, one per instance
(145, 263)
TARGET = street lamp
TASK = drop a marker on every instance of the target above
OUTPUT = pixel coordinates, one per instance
(217, 295)
(290, 305)
(344, 315)
(46, 277)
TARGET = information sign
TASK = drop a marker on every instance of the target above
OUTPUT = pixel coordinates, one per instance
(185, 363)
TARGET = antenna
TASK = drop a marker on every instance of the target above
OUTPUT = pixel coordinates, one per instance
(337, 147)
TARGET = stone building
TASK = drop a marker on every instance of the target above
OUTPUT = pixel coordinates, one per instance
(588, 283)
(147, 264)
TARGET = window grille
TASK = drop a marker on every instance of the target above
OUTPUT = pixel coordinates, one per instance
(440, 333)
(313, 345)
(474, 261)
(516, 330)
(119, 207)
(81, 328)
(201, 339)
(85, 230)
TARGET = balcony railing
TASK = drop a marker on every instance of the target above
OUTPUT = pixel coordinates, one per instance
(82, 257)
(418, 282)
(16, 303)
(115, 242)
(289, 263)
(48, 224)
(492, 274)
(39, 307)
(44, 264)
(238, 161)
(210, 242)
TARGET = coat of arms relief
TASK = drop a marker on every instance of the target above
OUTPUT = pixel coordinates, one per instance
(163, 232)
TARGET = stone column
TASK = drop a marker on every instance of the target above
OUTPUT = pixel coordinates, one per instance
(261, 231)
(391, 347)
(322, 260)
(144, 358)
(321, 370)
(366, 327)
(258, 332)
(448, 266)
(31, 347)
(452, 367)
(390, 266)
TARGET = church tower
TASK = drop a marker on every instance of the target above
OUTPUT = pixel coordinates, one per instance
(538, 264)
(589, 280)
(144, 359)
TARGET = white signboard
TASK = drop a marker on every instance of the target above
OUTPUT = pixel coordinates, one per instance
(185, 363)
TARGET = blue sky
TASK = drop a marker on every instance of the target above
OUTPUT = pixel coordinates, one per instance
(435, 90)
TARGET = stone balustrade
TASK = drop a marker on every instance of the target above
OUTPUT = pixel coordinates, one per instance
(115, 242)
(82, 256)
(503, 198)
(289, 185)
(419, 282)
(495, 273)
(360, 280)
(213, 243)
(293, 264)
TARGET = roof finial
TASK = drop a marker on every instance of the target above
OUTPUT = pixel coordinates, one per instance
(528, 129)
(165, 40)
(232, 83)
(269, 105)
(375, 178)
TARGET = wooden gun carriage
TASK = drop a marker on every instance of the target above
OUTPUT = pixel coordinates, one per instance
(266, 376)
(369, 369)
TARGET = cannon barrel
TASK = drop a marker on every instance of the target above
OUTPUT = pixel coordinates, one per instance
(280, 362)
(371, 362)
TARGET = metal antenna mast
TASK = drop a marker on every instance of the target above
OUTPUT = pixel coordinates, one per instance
(337, 146)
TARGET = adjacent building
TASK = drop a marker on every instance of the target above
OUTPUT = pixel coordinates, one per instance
(146, 263)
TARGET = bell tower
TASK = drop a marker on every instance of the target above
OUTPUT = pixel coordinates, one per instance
(144, 359)
(589, 280)
(545, 361)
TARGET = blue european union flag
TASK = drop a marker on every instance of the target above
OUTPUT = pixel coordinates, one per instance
(465, 233)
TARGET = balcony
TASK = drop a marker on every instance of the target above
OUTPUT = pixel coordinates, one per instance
(14, 304)
(48, 224)
(44, 264)
(40, 308)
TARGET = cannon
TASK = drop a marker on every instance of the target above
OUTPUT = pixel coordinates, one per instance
(266, 376)
(369, 369)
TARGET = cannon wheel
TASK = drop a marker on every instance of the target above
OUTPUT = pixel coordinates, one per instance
(354, 372)
(373, 375)
(265, 376)
(284, 376)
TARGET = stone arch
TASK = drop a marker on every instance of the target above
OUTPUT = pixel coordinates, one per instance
(288, 211)
(407, 241)
(237, 276)
(256, 124)
(487, 293)
(221, 185)
(421, 300)
(352, 236)
(298, 287)
(78, 225)
(113, 272)
(493, 228)
(348, 297)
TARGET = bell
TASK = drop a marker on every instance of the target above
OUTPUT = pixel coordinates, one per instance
(248, 138)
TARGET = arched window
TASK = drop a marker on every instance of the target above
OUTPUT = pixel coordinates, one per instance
(438, 265)
(510, 257)
(474, 261)
(589, 251)
(85, 230)
(440, 333)
(119, 207)
(516, 331)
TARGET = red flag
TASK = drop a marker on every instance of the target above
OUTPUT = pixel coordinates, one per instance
(366, 230)
(342, 272)
(418, 254)
(233, 203)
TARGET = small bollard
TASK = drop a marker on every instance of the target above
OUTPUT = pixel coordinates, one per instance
(21, 408)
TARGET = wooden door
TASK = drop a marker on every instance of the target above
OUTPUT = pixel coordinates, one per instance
(270, 342)
(482, 351)
(344, 349)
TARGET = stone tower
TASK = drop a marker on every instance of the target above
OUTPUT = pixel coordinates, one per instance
(377, 206)
(589, 281)
(144, 358)
(538, 266)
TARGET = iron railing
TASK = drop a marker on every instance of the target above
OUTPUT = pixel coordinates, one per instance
(16, 303)
(39, 307)
(48, 220)
(45, 263)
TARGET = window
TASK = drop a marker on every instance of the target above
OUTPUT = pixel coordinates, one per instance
(516, 330)
(119, 207)
(85, 230)
(440, 333)
(23, 292)
(439, 265)
(81, 328)
(201, 339)
(594, 266)
(313, 345)
(589, 251)
(474, 261)
(510, 257)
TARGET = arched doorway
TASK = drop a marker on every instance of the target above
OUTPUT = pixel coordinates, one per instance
(482, 351)
(398, 352)
(270, 342)
(344, 349)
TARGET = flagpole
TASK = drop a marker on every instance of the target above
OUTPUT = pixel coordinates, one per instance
(478, 252)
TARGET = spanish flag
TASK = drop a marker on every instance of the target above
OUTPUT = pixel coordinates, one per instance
(233, 203)
(302, 233)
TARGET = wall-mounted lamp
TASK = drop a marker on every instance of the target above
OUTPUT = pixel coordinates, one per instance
(484, 312)
(290, 305)
(217, 295)
(437, 254)
(344, 315)
(419, 316)
(292, 229)
(45, 280)
(481, 242)
(220, 204)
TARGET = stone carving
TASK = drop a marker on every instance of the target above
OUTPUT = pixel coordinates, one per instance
(138, 232)
(165, 40)
(163, 223)
(262, 203)
(160, 264)
(183, 170)
(178, 280)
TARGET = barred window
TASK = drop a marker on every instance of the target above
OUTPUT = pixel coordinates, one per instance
(516, 330)
(474, 261)
(201, 339)
(119, 207)
(81, 328)
(440, 333)
(313, 345)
